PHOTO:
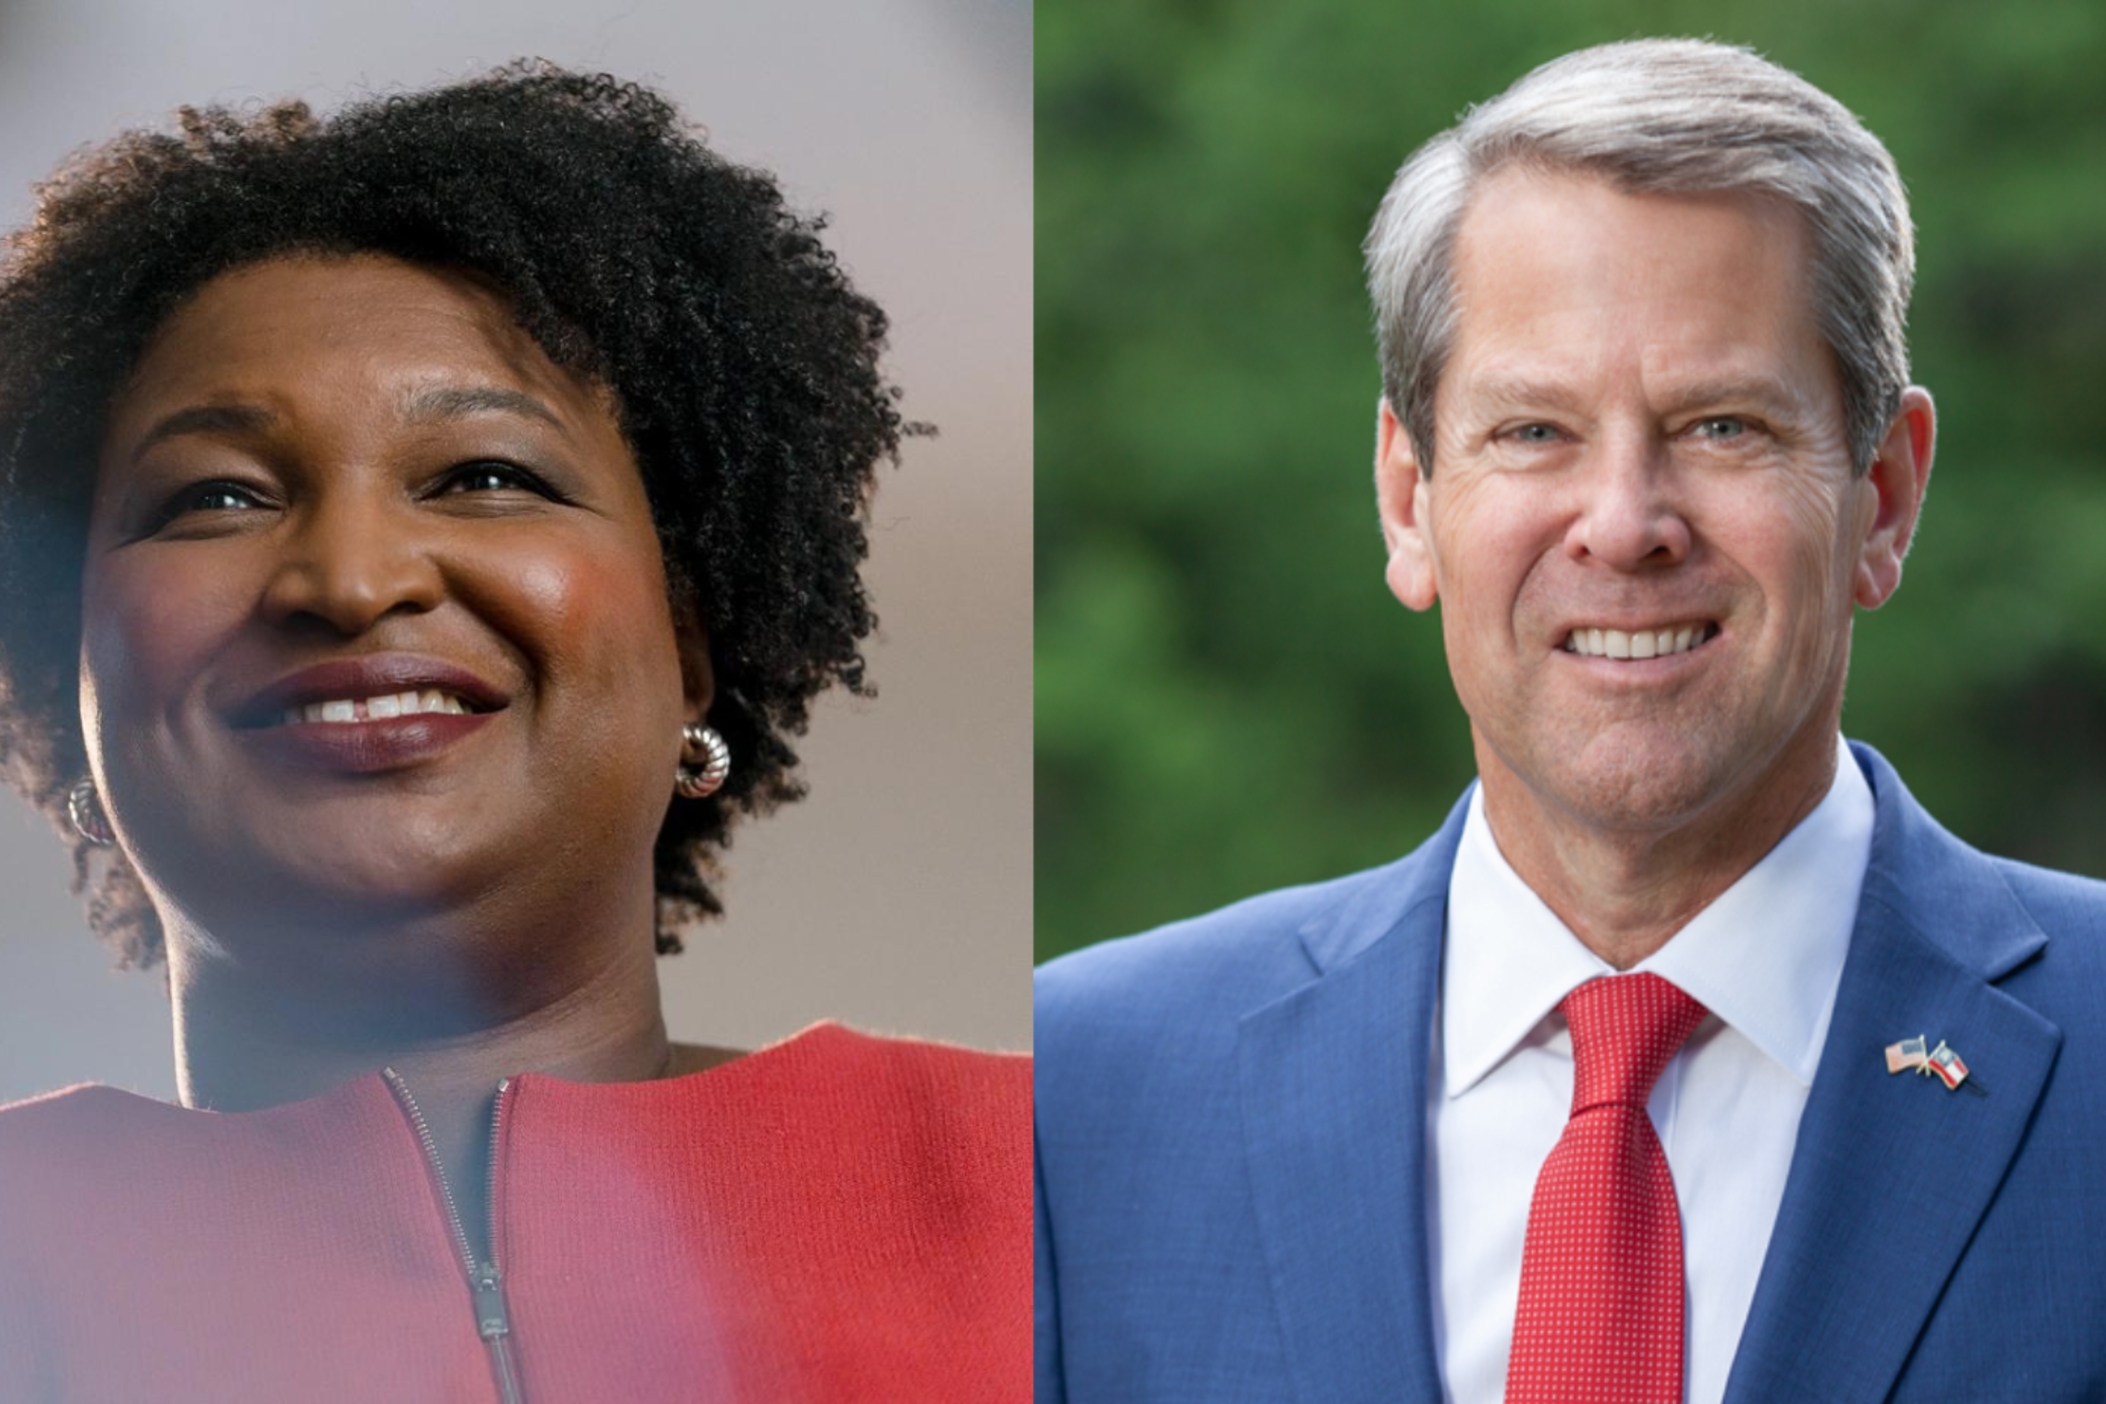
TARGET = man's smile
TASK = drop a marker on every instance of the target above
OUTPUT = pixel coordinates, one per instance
(1653, 641)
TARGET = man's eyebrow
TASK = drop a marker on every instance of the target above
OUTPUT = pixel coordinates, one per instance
(1516, 392)
(458, 402)
(1757, 391)
(229, 420)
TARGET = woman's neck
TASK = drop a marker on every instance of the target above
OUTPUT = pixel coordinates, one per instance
(245, 1041)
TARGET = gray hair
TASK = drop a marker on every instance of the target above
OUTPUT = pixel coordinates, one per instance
(1660, 116)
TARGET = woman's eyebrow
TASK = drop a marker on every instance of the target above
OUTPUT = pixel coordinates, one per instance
(204, 419)
(425, 406)
(458, 402)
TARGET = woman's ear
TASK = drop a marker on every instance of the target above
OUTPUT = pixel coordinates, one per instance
(698, 680)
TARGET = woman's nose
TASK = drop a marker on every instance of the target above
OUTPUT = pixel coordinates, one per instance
(1630, 516)
(350, 562)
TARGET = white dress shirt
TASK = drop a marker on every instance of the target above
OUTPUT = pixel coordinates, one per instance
(1765, 959)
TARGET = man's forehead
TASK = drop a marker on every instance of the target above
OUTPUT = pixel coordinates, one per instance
(1543, 212)
(1561, 279)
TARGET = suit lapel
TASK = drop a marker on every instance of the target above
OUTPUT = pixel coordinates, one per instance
(1892, 1173)
(1333, 1087)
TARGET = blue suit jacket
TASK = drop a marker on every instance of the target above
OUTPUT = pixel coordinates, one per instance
(1232, 1146)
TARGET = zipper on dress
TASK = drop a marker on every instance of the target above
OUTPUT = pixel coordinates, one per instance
(493, 1318)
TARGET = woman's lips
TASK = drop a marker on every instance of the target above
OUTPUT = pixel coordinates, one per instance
(363, 747)
(368, 677)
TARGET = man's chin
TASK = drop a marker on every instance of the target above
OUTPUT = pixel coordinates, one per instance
(1630, 783)
(1650, 801)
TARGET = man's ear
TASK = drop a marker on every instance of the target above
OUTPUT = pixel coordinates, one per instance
(1896, 480)
(1401, 500)
(698, 680)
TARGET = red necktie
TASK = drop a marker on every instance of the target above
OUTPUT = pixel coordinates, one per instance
(1601, 1274)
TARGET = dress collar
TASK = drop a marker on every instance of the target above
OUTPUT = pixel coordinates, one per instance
(1765, 957)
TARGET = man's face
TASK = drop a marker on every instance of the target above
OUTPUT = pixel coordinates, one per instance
(1642, 518)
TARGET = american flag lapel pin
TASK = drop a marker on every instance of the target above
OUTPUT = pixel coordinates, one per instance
(1909, 1053)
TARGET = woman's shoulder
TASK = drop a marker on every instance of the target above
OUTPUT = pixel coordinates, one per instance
(63, 1152)
(919, 1062)
(834, 1102)
(855, 1077)
(81, 1118)
(837, 1141)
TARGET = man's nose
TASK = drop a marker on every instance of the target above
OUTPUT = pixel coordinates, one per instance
(1630, 515)
(350, 561)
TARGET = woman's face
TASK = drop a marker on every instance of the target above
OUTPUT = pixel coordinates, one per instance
(375, 622)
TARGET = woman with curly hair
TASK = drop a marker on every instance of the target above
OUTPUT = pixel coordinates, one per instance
(422, 532)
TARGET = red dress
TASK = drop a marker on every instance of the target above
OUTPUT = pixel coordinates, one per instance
(835, 1217)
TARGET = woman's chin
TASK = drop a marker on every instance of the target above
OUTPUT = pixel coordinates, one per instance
(337, 887)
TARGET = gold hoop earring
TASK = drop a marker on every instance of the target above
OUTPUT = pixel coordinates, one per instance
(708, 762)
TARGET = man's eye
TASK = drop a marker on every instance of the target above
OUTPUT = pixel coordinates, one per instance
(1721, 427)
(1536, 434)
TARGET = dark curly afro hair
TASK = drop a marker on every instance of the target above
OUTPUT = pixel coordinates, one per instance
(744, 365)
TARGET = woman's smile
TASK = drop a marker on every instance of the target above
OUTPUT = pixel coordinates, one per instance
(380, 711)
(358, 740)
(386, 707)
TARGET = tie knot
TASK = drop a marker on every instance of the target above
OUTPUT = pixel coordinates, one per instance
(1624, 1030)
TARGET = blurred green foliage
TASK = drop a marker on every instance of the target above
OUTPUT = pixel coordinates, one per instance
(1227, 697)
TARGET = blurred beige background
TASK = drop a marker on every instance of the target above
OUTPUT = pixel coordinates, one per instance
(898, 896)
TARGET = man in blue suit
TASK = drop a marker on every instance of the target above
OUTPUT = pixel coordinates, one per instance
(1648, 437)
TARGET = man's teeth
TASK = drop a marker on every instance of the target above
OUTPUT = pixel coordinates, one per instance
(1641, 643)
(350, 709)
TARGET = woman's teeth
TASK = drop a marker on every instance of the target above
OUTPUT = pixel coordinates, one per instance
(349, 709)
(1642, 643)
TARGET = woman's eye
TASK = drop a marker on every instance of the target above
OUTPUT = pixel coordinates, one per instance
(209, 497)
(492, 477)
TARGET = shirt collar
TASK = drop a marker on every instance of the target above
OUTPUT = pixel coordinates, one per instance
(1765, 957)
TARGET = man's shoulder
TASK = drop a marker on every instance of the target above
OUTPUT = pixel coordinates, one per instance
(1138, 1035)
(2056, 899)
(2037, 934)
(2000, 917)
(1256, 940)
(2067, 980)
(1206, 972)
